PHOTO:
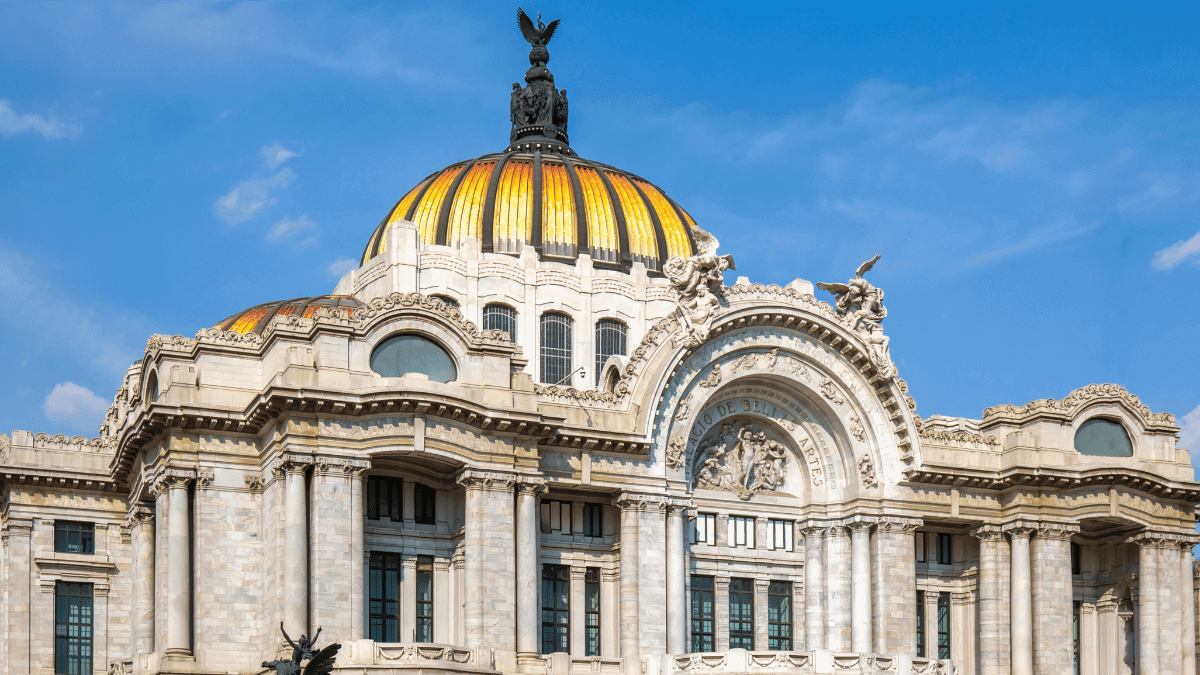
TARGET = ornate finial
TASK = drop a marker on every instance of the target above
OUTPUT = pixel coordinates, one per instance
(538, 111)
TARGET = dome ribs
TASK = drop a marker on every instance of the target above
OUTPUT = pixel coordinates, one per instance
(582, 237)
(686, 220)
(645, 230)
(443, 219)
(559, 229)
(489, 205)
(535, 228)
(623, 255)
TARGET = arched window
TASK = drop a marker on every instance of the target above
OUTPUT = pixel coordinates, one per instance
(152, 388)
(556, 348)
(402, 354)
(610, 340)
(1103, 438)
(501, 317)
(448, 301)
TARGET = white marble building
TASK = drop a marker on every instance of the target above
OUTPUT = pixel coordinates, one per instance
(536, 432)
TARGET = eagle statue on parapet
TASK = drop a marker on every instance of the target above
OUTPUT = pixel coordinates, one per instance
(319, 662)
(859, 305)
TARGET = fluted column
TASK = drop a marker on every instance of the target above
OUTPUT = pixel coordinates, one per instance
(860, 586)
(1187, 585)
(676, 578)
(179, 615)
(358, 600)
(837, 589)
(528, 578)
(141, 522)
(814, 586)
(993, 624)
(295, 545)
(1021, 602)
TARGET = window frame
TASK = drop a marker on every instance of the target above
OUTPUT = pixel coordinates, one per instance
(424, 504)
(740, 531)
(383, 562)
(614, 334)
(921, 624)
(593, 520)
(85, 531)
(394, 489)
(944, 548)
(498, 312)
(706, 524)
(702, 613)
(556, 368)
(82, 662)
(591, 612)
(424, 599)
(548, 509)
(556, 633)
(778, 528)
(741, 596)
(943, 625)
(779, 627)
(377, 367)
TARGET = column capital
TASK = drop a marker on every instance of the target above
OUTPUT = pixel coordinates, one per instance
(530, 485)
(637, 501)
(139, 514)
(681, 507)
(1019, 529)
(612, 575)
(721, 583)
(578, 572)
(762, 585)
(341, 466)
(856, 526)
(495, 481)
(991, 534)
(441, 565)
(812, 528)
(897, 524)
(171, 478)
(1152, 539)
(18, 527)
(288, 463)
(1056, 531)
(408, 561)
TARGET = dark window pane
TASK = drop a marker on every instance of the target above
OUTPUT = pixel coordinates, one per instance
(402, 354)
(424, 628)
(591, 598)
(556, 608)
(501, 317)
(779, 616)
(741, 613)
(72, 537)
(385, 596)
(1104, 438)
(610, 341)
(921, 623)
(943, 545)
(702, 614)
(556, 336)
(943, 625)
(73, 628)
(593, 520)
(424, 504)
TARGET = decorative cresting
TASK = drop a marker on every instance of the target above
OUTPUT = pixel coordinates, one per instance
(1075, 402)
(860, 308)
(698, 283)
(540, 193)
(742, 461)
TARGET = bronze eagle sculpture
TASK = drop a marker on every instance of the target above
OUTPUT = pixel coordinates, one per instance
(319, 662)
(538, 35)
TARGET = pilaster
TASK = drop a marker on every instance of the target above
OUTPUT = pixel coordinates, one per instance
(489, 554)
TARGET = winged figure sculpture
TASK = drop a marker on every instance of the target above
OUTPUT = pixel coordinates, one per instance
(538, 35)
(859, 299)
(320, 662)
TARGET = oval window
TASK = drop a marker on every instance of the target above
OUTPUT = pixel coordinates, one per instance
(1103, 438)
(403, 354)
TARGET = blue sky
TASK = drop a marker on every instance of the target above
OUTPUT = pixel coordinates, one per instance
(1030, 172)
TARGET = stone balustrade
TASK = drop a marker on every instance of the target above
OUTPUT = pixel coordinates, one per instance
(368, 656)
(816, 662)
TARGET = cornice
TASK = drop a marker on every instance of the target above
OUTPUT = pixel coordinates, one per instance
(1054, 478)
(1076, 402)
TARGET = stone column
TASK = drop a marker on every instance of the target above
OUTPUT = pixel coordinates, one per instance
(894, 579)
(1088, 639)
(931, 624)
(993, 601)
(489, 552)
(141, 522)
(179, 572)
(17, 533)
(1021, 603)
(1053, 613)
(610, 637)
(761, 615)
(528, 575)
(629, 617)
(860, 586)
(1148, 605)
(578, 613)
(721, 616)
(443, 602)
(358, 601)
(407, 629)
(1170, 617)
(1187, 585)
(295, 544)
(837, 589)
(814, 586)
(676, 578)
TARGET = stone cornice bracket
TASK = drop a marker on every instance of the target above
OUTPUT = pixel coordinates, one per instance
(534, 485)
(20, 527)
(254, 481)
(813, 528)
(496, 481)
(897, 524)
(636, 501)
(139, 514)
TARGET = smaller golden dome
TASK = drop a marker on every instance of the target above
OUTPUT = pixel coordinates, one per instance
(255, 319)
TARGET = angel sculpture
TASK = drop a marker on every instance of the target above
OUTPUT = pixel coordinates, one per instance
(319, 662)
(860, 304)
(537, 36)
(696, 282)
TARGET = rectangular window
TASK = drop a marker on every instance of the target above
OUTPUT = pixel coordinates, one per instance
(704, 530)
(1076, 559)
(593, 520)
(779, 616)
(702, 614)
(1075, 634)
(741, 613)
(556, 609)
(424, 504)
(424, 628)
(943, 550)
(780, 534)
(556, 517)
(943, 625)
(741, 531)
(383, 498)
(919, 546)
(921, 624)
(385, 596)
(73, 628)
(70, 537)
(591, 607)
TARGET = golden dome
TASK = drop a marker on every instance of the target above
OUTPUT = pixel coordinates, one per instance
(255, 319)
(561, 204)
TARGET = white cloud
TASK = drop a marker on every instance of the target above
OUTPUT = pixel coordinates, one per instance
(250, 196)
(276, 154)
(287, 228)
(50, 127)
(338, 268)
(75, 406)
(1189, 432)
(1170, 257)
